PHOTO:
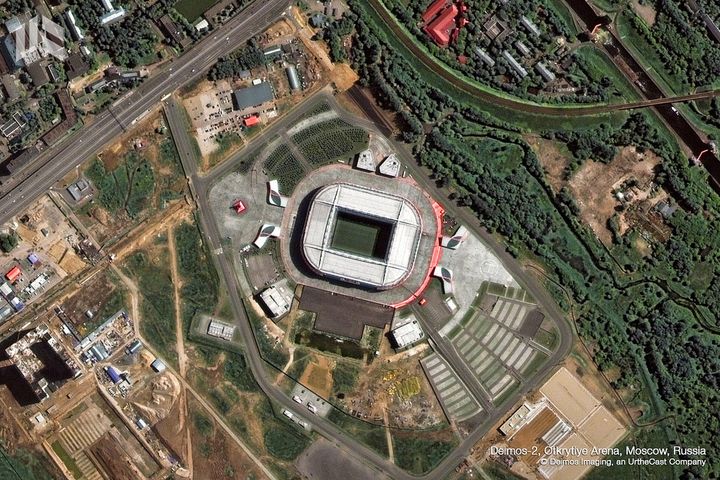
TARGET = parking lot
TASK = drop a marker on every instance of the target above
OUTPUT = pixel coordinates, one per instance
(307, 401)
(491, 345)
(454, 396)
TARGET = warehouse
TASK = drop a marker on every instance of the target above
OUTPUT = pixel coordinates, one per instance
(252, 96)
(276, 300)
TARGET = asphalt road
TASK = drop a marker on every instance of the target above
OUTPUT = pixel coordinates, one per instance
(58, 160)
(224, 263)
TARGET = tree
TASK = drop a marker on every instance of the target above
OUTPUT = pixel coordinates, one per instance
(8, 241)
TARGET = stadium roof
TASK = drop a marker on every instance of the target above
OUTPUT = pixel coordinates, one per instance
(375, 272)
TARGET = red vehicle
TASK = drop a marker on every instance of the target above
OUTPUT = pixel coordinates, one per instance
(423, 301)
(239, 206)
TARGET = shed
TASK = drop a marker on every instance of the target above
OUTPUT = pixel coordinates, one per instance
(33, 258)
(293, 78)
(158, 365)
(13, 274)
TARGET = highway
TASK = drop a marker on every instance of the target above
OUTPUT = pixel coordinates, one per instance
(58, 160)
(223, 260)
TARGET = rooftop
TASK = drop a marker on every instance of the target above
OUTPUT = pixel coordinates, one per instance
(368, 213)
(252, 96)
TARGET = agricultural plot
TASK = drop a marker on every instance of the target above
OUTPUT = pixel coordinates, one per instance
(329, 141)
(282, 165)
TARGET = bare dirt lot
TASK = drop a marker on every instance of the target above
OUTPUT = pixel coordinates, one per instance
(646, 12)
(101, 296)
(592, 186)
(318, 376)
(399, 387)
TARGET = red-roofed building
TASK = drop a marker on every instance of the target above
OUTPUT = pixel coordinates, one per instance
(433, 10)
(441, 28)
(251, 121)
(13, 274)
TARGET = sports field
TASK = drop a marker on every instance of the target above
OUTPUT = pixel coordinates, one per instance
(360, 235)
(192, 9)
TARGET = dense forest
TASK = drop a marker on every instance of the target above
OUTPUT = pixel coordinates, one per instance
(679, 36)
(129, 41)
(651, 321)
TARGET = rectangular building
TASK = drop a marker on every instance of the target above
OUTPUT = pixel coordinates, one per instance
(276, 300)
(407, 335)
(252, 96)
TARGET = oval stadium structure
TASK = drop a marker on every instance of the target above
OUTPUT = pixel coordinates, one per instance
(360, 235)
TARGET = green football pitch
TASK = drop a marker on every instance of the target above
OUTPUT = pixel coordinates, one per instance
(362, 236)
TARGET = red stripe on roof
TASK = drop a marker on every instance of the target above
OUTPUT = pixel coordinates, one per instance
(13, 273)
(440, 28)
(433, 10)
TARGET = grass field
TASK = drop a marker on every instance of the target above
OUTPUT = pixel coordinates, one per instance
(358, 236)
(192, 9)
(599, 65)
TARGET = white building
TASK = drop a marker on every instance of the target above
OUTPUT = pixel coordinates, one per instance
(277, 300)
(408, 334)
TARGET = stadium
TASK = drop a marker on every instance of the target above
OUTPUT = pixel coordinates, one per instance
(364, 236)
(361, 235)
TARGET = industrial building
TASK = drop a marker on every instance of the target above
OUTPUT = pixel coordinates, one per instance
(276, 300)
(362, 236)
(158, 365)
(221, 330)
(252, 96)
(134, 347)
(407, 335)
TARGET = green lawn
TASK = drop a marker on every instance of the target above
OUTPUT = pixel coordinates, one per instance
(356, 236)
(192, 9)
(599, 65)
(647, 55)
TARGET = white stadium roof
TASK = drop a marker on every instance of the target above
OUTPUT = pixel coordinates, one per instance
(374, 204)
